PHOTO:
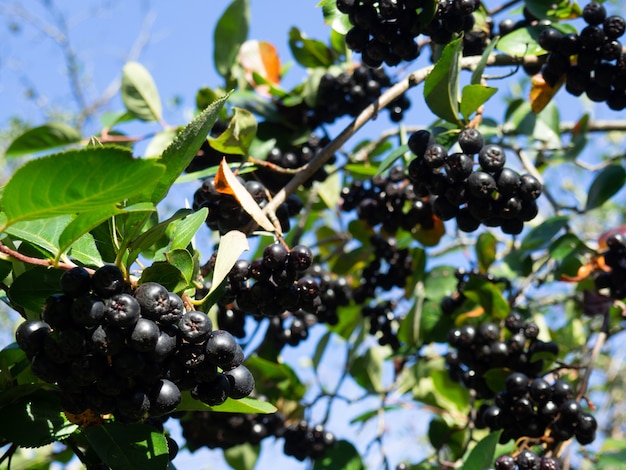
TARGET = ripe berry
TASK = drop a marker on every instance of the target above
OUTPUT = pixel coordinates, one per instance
(481, 184)
(153, 299)
(122, 310)
(458, 166)
(223, 350)
(175, 310)
(594, 13)
(144, 335)
(164, 397)
(274, 256)
(300, 258)
(88, 310)
(614, 26)
(76, 282)
(549, 38)
(419, 141)
(212, 393)
(435, 156)
(530, 187)
(528, 460)
(516, 383)
(491, 158)
(108, 281)
(241, 382)
(505, 462)
(471, 141)
(30, 335)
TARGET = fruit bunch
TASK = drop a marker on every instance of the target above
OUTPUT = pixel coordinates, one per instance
(386, 31)
(478, 349)
(217, 430)
(493, 195)
(592, 60)
(348, 93)
(614, 280)
(534, 407)
(129, 352)
(225, 213)
(383, 323)
(388, 201)
(303, 441)
(526, 460)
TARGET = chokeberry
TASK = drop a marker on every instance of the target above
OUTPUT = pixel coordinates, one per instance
(108, 281)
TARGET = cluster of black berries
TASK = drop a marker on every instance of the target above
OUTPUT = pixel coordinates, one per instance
(386, 31)
(225, 213)
(532, 407)
(484, 347)
(217, 430)
(615, 258)
(350, 92)
(494, 195)
(389, 201)
(390, 268)
(130, 353)
(290, 329)
(451, 302)
(291, 157)
(526, 460)
(600, 66)
(231, 319)
(383, 323)
(303, 441)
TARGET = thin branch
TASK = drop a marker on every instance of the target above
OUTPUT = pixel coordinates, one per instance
(36, 261)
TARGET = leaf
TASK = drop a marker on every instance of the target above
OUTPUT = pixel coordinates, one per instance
(182, 260)
(343, 455)
(541, 235)
(605, 185)
(260, 58)
(309, 53)
(226, 182)
(441, 434)
(44, 233)
(391, 158)
(441, 87)
(85, 251)
(477, 73)
(329, 190)
(159, 143)
(367, 369)
(76, 181)
(186, 228)
(31, 288)
(488, 296)
(232, 245)
(482, 455)
(166, 274)
(244, 405)
(139, 93)
(473, 97)
(334, 18)
(276, 380)
(565, 246)
(524, 41)
(38, 139)
(242, 456)
(230, 33)
(541, 92)
(35, 420)
(320, 348)
(450, 393)
(486, 250)
(177, 156)
(128, 446)
(238, 136)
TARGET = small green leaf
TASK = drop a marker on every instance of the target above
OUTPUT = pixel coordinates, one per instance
(165, 274)
(391, 158)
(85, 250)
(482, 455)
(239, 134)
(453, 394)
(76, 181)
(160, 142)
(182, 260)
(139, 93)
(177, 156)
(488, 296)
(524, 41)
(441, 434)
(230, 33)
(364, 417)
(486, 250)
(367, 369)
(232, 245)
(39, 139)
(477, 73)
(309, 53)
(473, 97)
(441, 87)
(242, 456)
(334, 18)
(440, 282)
(186, 228)
(541, 235)
(129, 446)
(244, 405)
(31, 288)
(320, 348)
(496, 378)
(276, 380)
(565, 246)
(343, 455)
(605, 185)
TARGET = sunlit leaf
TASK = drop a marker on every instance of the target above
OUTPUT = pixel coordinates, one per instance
(139, 93)
(39, 139)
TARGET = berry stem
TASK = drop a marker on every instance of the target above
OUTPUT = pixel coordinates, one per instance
(36, 261)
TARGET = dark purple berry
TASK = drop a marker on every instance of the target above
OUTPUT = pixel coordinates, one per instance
(122, 310)
(153, 299)
(241, 382)
(223, 350)
(76, 282)
(491, 158)
(195, 326)
(471, 141)
(108, 281)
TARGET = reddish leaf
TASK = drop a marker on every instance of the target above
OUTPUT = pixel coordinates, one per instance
(260, 57)
(541, 92)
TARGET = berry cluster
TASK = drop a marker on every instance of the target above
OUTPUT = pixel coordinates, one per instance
(303, 441)
(453, 301)
(350, 92)
(383, 323)
(217, 430)
(389, 201)
(386, 31)
(526, 460)
(615, 258)
(494, 195)
(225, 213)
(533, 407)
(485, 347)
(130, 353)
(600, 65)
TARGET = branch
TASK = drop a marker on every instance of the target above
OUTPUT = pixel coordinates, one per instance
(36, 261)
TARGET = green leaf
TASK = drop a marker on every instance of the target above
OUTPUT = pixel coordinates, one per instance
(441, 434)
(129, 447)
(367, 369)
(364, 417)
(276, 380)
(605, 185)
(486, 250)
(488, 296)
(44, 233)
(343, 455)
(541, 235)
(165, 274)
(31, 288)
(232, 245)
(159, 143)
(244, 405)
(477, 73)
(177, 156)
(76, 181)
(85, 250)
(242, 456)
(182, 260)
(186, 228)
(239, 134)
(309, 53)
(320, 348)
(139, 93)
(473, 97)
(230, 33)
(334, 18)
(524, 41)
(46, 137)
(565, 246)
(453, 394)
(35, 420)
(391, 158)
(441, 87)
(482, 455)
(440, 282)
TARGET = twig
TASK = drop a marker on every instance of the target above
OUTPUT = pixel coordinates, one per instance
(36, 261)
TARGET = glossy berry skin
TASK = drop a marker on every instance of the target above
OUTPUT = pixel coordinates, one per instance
(471, 141)
(419, 141)
(108, 281)
(122, 310)
(153, 299)
(76, 282)
(195, 326)
(241, 382)
(145, 335)
(88, 310)
(164, 397)
(528, 460)
(458, 166)
(275, 256)
(212, 393)
(505, 462)
(300, 258)
(175, 310)
(614, 26)
(491, 158)
(435, 156)
(594, 13)
(223, 350)
(481, 184)
(30, 335)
